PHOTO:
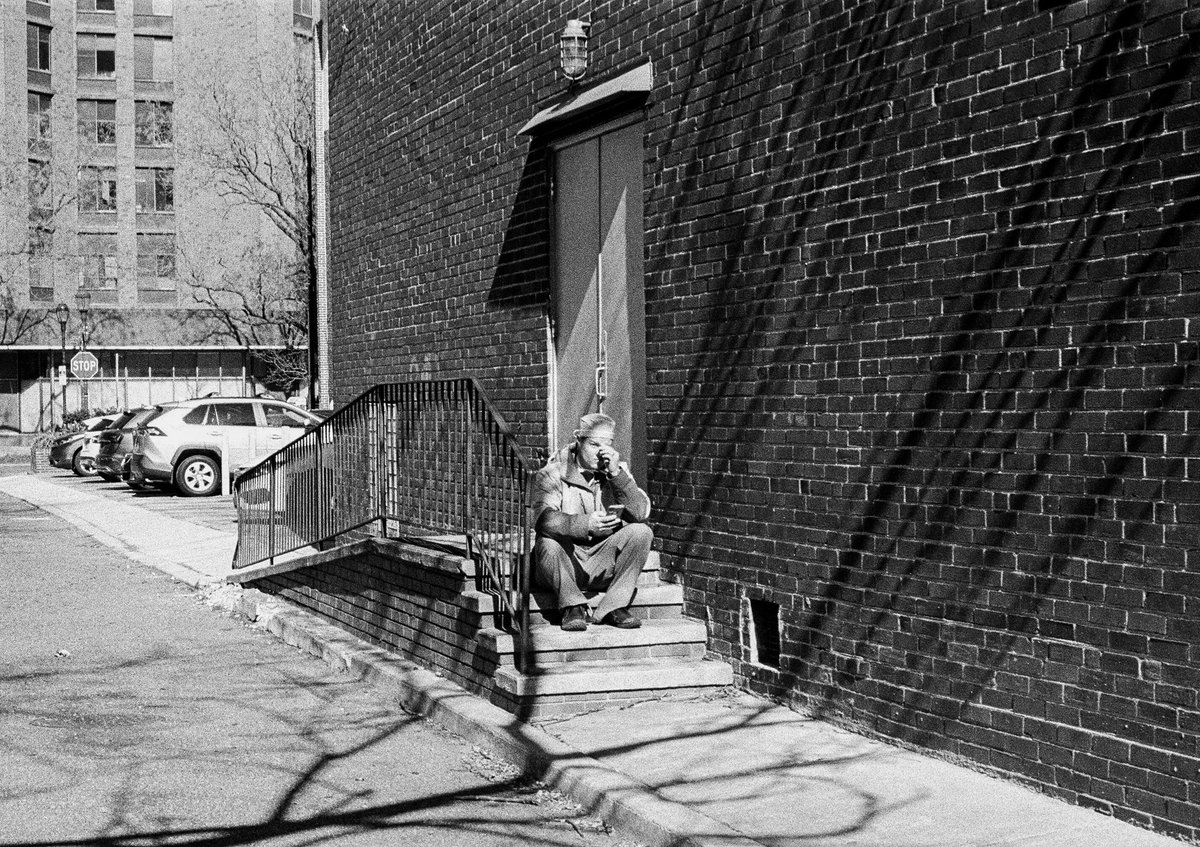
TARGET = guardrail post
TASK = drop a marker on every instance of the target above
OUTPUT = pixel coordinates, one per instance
(468, 460)
(321, 502)
(271, 511)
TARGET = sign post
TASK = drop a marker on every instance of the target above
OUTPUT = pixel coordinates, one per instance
(84, 366)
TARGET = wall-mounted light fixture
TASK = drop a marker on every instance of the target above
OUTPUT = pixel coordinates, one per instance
(573, 49)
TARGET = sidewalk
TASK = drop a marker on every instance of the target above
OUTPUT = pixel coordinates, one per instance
(728, 770)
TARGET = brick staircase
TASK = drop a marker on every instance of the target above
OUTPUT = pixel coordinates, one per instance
(572, 671)
(422, 603)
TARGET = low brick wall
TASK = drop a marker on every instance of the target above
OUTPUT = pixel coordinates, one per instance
(403, 598)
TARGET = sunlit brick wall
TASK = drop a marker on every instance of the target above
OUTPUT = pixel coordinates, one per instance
(922, 290)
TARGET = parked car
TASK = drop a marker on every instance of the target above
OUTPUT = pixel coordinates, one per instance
(184, 443)
(91, 446)
(116, 441)
(66, 450)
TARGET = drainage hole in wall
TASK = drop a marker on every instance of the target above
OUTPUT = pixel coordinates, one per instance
(764, 616)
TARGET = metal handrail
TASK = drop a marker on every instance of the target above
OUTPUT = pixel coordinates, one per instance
(430, 462)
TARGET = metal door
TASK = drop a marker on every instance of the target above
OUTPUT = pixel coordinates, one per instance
(599, 315)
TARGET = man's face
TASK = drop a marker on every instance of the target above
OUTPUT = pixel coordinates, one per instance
(589, 450)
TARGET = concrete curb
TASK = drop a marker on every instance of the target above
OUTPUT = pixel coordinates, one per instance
(618, 798)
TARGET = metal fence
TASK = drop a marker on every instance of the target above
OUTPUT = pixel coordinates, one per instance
(429, 462)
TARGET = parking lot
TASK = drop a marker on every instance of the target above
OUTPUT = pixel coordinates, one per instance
(212, 512)
(215, 512)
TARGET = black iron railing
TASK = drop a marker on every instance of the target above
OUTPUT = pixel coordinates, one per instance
(429, 462)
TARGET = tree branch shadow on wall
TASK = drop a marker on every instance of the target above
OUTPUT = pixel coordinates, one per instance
(522, 276)
(915, 534)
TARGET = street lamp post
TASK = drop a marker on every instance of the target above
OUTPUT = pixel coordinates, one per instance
(63, 311)
(83, 301)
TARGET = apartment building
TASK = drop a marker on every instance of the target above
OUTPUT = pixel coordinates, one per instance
(124, 231)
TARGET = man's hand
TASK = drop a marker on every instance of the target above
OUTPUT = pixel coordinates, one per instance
(607, 458)
(602, 524)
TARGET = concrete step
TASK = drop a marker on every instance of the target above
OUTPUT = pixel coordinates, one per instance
(549, 645)
(657, 600)
(650, 573)
(582, 678)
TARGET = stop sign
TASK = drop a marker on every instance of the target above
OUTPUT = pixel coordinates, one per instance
(84, 365)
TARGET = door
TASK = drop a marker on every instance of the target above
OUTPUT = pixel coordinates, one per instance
(234, 425)
(284, 425)
(599, 310)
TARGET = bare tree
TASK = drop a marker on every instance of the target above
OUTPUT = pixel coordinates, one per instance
(17, 322)
(51, 191)
(257, 150)
(257, 301)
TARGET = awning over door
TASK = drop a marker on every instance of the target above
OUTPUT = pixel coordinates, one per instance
(626, 88)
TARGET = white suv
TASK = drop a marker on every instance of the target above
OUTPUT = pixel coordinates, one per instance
(184, 443)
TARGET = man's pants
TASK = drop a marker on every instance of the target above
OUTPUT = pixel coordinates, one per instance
(611, 564)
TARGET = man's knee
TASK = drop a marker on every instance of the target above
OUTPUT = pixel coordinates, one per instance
(637, 533)
(549, 553)
(549, 546)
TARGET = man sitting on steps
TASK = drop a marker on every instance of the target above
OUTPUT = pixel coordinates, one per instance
(588, 512)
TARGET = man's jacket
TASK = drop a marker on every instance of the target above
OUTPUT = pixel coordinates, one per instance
(563, 497)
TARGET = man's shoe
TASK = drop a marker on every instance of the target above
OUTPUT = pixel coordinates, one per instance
(574, 619)
(621, 619)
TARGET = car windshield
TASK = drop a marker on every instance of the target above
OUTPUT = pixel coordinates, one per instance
(138, 418)
(121, 420)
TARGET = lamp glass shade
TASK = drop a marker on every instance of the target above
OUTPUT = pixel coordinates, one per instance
(573, 49)
(63, 311)
(84, 301)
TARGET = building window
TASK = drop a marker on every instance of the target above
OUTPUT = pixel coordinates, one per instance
(155, 190)
(39, 189)
(41, 263)
(39, 123)
(41, 279)
(161, 8)
(152, 59)
(41, 241)
(303, 8)
(154, 123)
(37, 47)
(95, 5)
(100, 272)
(98, 121)
(97, 189)
(156, 262)
(96, 55)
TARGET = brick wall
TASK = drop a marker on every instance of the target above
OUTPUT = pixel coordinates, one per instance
(922, 289)
(438, 229)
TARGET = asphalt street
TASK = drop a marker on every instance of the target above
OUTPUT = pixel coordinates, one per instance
(133, 712)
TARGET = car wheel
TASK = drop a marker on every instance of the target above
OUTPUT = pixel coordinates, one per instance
(197, 476)
(82, 466)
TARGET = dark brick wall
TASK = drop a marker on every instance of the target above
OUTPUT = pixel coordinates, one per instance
(438, 208)
(922, 293)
